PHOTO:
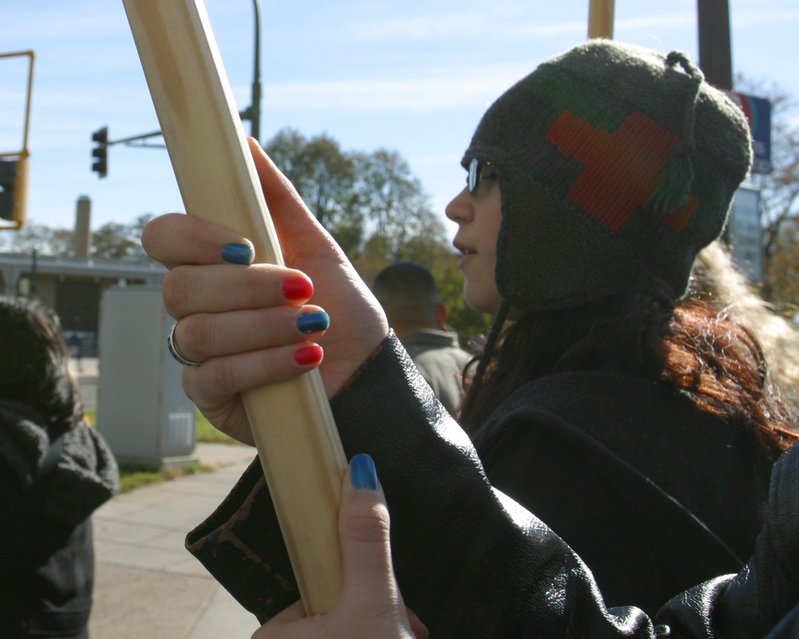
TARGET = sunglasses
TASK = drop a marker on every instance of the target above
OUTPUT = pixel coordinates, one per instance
(476, 167)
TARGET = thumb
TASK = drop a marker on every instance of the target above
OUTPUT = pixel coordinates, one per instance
(364, 526)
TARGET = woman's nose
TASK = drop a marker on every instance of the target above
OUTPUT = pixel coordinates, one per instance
(459, 209)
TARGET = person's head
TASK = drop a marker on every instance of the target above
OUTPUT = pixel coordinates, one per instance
(602, 172)
(34, 362)
(716, 277)
(407, 292)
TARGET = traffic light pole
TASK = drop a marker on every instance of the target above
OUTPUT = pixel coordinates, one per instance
(14, 171)
(251, 113)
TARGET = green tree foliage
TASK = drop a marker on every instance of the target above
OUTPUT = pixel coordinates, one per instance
(392, 201)
(356, 196)
(325, 178)
(378, 212)
(113, 240)
(783, 273)
(37, 237)
(120, 241)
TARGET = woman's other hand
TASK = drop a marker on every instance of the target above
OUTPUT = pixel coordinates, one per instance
(371, 605)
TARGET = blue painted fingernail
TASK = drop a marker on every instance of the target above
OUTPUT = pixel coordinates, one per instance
(364, 473)
(237, 253)
(313, 322)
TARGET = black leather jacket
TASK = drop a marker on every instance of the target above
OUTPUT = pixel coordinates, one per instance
(469, 560)
(633, 477)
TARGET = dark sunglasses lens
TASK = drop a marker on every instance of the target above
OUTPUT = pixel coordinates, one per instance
(473, 179)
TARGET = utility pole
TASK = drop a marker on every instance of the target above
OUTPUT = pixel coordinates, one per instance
(715, 48)
(600, 19)
(255, 100)
(715, 60)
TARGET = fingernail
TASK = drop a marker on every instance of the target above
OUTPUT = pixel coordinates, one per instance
(237, 253)
(364, 473)
(313, 322)
(297, 288)
(308, 355)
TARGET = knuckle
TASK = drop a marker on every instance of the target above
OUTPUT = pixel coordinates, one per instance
(175, 290)
(372, 527)
(197, 335)
(224, 375)
(253, 288)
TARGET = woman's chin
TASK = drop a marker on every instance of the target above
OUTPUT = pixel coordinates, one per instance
(482, 301)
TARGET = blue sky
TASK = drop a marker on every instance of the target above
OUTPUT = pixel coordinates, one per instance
(411, 76)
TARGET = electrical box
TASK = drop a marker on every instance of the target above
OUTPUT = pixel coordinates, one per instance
(142, 411)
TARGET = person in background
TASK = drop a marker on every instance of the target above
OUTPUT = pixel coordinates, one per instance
(608, 410)
(54, 472)
(408, 294)
(716, 277)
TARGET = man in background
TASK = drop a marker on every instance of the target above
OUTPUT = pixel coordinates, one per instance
(408, 294)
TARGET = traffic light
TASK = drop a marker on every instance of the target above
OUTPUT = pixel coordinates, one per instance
(13, 190)
(100, 152)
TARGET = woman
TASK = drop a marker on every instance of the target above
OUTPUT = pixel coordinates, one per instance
(55, 472)
(622, 420)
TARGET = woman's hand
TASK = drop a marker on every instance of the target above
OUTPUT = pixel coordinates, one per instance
(240, 321)
(371, 605)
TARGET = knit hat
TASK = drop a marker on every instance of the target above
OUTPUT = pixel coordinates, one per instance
(616, 166)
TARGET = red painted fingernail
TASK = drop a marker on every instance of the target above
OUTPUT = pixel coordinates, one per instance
(309, 355)
(297, 288)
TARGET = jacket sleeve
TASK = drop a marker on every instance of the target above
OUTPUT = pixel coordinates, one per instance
(469, 560)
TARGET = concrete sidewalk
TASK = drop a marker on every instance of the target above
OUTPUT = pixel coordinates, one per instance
(147, 584)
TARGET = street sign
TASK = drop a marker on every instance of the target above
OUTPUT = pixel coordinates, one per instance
(745, 234)
(758, 114)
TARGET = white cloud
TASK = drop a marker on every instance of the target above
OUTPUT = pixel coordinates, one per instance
(452, 88)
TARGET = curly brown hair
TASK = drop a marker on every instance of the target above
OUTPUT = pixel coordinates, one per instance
(698, 349)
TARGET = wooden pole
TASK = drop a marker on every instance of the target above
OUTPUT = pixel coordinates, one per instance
(600, 19)
(292, 424)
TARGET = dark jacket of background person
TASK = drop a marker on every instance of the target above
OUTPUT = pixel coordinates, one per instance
(521, 579)
(54, 472)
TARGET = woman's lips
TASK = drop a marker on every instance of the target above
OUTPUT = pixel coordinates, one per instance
(465, 259)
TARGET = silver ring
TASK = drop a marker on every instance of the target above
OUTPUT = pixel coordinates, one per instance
(175, 352)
